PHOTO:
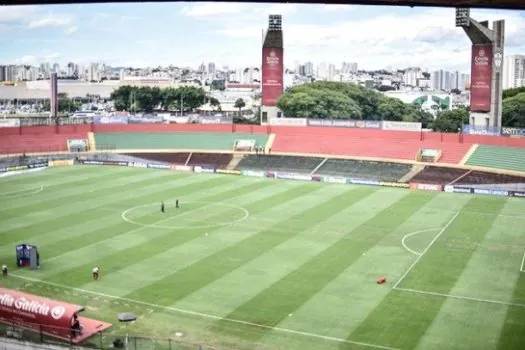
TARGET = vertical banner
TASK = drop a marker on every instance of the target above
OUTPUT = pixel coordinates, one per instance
(481, 78)
(272, 75)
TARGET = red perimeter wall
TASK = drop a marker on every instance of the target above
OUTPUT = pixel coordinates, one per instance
(278, 130)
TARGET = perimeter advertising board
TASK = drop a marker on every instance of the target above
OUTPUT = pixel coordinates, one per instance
(513, 132)
(481, 78)
(272, 75)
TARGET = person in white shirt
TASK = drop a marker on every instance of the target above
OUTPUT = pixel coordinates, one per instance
(96, 272)
(4, 270)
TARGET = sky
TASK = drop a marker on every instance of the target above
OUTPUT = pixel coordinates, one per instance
(188, 34)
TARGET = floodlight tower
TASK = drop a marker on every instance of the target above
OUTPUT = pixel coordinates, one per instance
(272, 81)
(486, 70)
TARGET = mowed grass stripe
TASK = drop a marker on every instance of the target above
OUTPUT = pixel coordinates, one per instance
(225, 261)
(165, 263)
(62, 192)
(437, 271)
(274, 304)
(44, 175)
(512, 336)
(103, 192)
(89, 209)
(102, 247)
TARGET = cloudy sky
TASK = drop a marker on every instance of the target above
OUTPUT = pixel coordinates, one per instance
(186, 34)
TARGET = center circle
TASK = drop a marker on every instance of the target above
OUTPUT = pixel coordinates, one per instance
(185, 208)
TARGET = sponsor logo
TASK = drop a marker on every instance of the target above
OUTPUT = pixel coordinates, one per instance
(461, 189)
(345, 123)
(290, 176)
(229, 172)
(498, 59)
(491, 192)
(272, 59)
(15, 168)
(199, 169)
(288, 121)
(481, 58)
(519, 194)
(253, 173)
(491, 131)
(363, 182)
(512, 132)
(183, 168)
(425, 187)
(334, 179)
(137, 165)
(37, 165)
(394, 184)
(58, 163)
(33, 307)
(92, 162)
(401, 126)
(158, 166)
(449, 189)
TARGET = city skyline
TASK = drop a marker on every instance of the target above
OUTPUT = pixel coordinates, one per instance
(185, 34)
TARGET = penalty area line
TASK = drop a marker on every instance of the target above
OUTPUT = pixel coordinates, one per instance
(204, 315)
(522, 267)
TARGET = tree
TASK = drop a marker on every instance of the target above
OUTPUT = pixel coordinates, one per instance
(513, 113)
(451, 121)
(455, 91)
(512, 92)
(239, 103)
(214, 103)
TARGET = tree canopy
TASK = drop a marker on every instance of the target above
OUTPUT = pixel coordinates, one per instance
(513, 114)
(145, 98)
(335, 100)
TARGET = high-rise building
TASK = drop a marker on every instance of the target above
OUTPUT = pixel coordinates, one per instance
(54, 95)
(272, 77)
(2, 73)
(514, 71)
(211, 68)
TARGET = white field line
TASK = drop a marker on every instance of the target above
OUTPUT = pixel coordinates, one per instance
(204, 315)
(459, 297)
(425, 250)
(522, 267)
(481, 213)
(107, 239)
(413, 234)
(24, 192)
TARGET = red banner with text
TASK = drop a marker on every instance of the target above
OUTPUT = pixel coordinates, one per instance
(481, 78)
(272, 75)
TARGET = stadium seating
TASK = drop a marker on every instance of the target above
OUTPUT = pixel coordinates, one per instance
(383, 171)
(367, 147)
(279, 163)
(217, 160)
(170, 158)
(175, 141)
(507, 158)
(436, 175)
(481, 178)
(36, 143)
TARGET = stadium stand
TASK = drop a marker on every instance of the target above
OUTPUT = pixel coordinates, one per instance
(168, 158)
(367, 147)
(437, 175)
(175, 141)
(384, 171)
(37, 143)
(482, 178)
(218, 160)
(507, 158)
(279, 163)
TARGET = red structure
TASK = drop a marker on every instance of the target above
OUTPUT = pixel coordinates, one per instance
(481, 78)
(50, 317)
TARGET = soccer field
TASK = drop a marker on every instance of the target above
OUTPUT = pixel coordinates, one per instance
(249, 263)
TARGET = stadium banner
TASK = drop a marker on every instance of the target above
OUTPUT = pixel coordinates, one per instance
(491, 192)
(401, 126)
(137, 165)
(34, 312)
(316, 178)
(462, 189)
(9, 123)
(480, 130)
(200, 169)
(272, 73)
(16, 168)
(334, 179)
(365, 124)
(158, 166)
(518, 194)
(38, 165)
(253, 173)
(60, 163)
(292, 176)
(227, 171)
(481, 78)
(426, 187)
(513, 132)
(182, 168)
(362, 182)
(110, 120)
(394, 184)
(288, 121)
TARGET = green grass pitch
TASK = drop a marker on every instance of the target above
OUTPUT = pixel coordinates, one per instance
(249, 263)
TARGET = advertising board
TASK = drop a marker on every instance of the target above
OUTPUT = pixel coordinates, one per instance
(519, 194)
(272, 75)
(9, 123)
(199, 169)
(182, 168)
(481, 78)
(491, 192)
(110, 120)
(394, 184)
(227, 171)
(158, 166)
(462, 189)
(401, 126)
(137, 165)
(365, 124)
(363, 182)
(60, 163)
(253, 173)
(480, 130)
(288, 121)
(512, 132)
(426, 187)
(334, 179)
(292, 176)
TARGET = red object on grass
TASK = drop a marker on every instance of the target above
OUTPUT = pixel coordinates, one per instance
(381, 280)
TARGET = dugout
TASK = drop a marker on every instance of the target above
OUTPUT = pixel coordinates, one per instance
(27, 256)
